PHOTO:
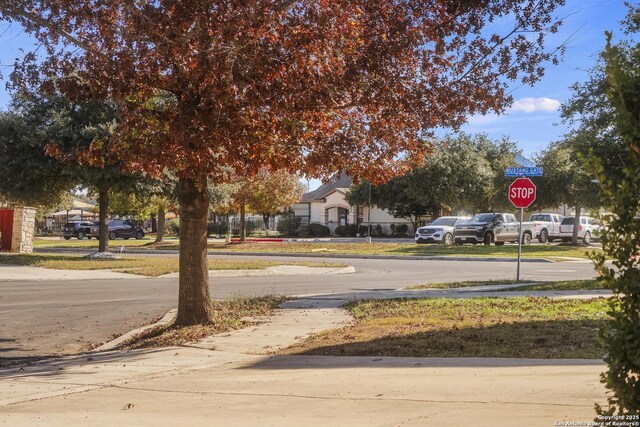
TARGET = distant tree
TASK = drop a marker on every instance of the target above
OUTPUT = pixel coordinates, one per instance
(566, 181)
(27, 175)
(271, 193)
(460, 174)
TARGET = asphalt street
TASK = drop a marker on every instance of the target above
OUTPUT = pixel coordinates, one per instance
(39, 318)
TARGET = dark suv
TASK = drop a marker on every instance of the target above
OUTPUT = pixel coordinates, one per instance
(119, 228)
(80, 230)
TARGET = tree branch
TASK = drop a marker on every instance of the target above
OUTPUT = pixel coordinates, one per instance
(35, 19)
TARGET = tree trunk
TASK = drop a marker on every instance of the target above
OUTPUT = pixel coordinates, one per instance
(194, 300)
(576, 225)
(154, 223)
(266, 219)
(243, 229)
(160, 225)
(103, 218)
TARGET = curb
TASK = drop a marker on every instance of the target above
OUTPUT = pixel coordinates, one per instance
(169, 317)
(313, 255)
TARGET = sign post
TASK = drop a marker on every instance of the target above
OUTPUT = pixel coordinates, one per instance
(522, 193)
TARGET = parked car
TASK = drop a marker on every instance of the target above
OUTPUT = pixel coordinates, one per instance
(80, 229)
(588, 228)
(546, 226)
(490, 228)
(440, 230)
(119, 228)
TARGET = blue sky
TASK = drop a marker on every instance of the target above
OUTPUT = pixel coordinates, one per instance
(533, 121)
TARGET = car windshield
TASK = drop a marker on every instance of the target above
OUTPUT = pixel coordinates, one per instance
(483, 218)
(446, 221)
(539, 218)
(568, 221)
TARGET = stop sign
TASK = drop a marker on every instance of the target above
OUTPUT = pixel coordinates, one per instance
(522, 192)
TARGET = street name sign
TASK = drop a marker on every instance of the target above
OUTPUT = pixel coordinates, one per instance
(523, 161)
(536, 171)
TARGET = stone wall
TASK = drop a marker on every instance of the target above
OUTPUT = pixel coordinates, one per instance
(24, 221)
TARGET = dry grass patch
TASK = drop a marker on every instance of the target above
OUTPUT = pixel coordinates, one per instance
(227, 316)
(565, 285)
(453, 285)
(479, 327)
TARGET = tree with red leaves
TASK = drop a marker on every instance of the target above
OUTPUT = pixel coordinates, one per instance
(309, 86)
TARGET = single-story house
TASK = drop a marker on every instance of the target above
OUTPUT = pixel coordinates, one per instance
(326, 205)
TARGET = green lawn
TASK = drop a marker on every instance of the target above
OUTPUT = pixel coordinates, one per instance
(550, 251)
(92, 243)
(479, 327)
(139, 265)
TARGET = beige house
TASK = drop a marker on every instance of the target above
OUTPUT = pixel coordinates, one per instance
(327, 206)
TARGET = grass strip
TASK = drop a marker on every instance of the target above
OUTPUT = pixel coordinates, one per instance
(145, 266)
(538, 328)
(227, 316)
(565, 285)
(554, 252)
(467, 284)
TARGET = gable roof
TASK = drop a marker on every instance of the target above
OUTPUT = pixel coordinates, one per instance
(339, 180)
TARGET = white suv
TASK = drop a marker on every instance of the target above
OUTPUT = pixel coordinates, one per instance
(440, 230)
(586, 230)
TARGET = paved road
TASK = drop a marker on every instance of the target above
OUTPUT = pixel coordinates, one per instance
(54, 317)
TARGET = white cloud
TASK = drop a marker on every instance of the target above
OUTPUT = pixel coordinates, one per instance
(532, 105)
(483, 119)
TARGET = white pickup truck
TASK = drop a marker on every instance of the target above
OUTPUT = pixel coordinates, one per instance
(546, 226)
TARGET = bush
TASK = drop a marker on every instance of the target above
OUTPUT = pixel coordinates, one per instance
(401, 230)
(315, 230)
(289, 225)
(215, 228)
(341, 231)
(173, 227)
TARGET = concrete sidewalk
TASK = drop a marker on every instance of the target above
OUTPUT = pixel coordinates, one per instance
(232, 380)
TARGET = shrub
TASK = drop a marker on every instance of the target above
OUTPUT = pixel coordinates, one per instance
(341, 231)
(315, 230)
(214, 228)
(173, 227)
(289, 225)
(401, 230)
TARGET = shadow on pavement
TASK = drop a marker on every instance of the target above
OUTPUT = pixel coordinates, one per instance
(336, 362)
(49, 366)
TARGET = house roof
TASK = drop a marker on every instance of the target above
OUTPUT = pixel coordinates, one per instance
(339, 180)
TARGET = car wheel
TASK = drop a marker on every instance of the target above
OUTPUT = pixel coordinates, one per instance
(499, 243)
(112, 235)
(543, 237)
(448, 239)
(526, 239)
(67, 237)
(138, 235)
(587, 238)
(487, 239)
(80, 235)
